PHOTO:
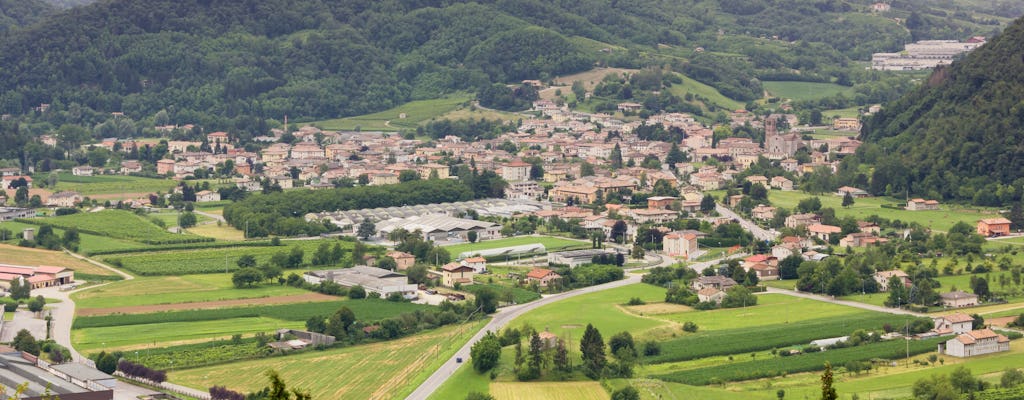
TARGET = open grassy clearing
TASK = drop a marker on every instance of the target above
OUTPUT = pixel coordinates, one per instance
(210, 260)
(549, 242)
(804, 90)
(171, 218)
(174, 289)
(713, 95)
(35, 257)
(770, 309)
(939, 220)
(851, 112)
(384, 370)
(108, 184)
(569, 317)
(118, 224)
(223, 232)
(477, 113)
(591, 78)
(163, 334)
(416, 112)
(548, 390)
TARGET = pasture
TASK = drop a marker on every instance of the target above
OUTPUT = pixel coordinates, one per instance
(416, 112)
(770, 309)
(88, 243)
(133, 337)
(568, 318)
(550, 243)
(35, 257)
(383, 370)
(939, 220)
(174, 290)
(804, 90)
(210, 260)
(587, 390)
(690, 85)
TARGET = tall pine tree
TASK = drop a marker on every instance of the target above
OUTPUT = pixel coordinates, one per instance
(592, 347)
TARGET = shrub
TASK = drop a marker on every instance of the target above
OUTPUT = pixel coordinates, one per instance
(357, 292)
(222, 393)
(635, 301)
(141, 371)
(689, 326)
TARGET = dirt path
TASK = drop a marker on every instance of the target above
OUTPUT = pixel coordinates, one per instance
(205, 305)
(123, 274)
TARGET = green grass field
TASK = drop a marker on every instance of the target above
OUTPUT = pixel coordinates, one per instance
(770, 309)
(851, 112)
(416, 112)
(569, 317)
(209, 260)
(108, 184)
(804, 90)
(708, 92)
(87, 242)
(549, 242)
(939, 220)
(173, 290)
(163, 334)
(384, 370)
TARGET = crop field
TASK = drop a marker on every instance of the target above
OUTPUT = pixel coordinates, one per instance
(88, 242)
(172, 290)
(223, 232)
(118, 224)
(804, 90)
(388, 120)
(109, 184)
(199, 354)
(776, 366)
(777, 335)
(548, 390)
(568, 318)
(212, 260)
(550, 243)
(35, 257)
(367, 310)
(383, 370)
(940, 220)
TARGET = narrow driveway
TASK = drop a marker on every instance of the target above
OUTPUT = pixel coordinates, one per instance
(830, 299)
(759, 233)
(499, 320)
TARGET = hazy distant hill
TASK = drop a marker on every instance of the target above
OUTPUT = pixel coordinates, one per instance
(961, 135)
(232, 63)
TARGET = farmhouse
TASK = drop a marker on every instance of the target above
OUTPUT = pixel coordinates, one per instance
(479, 264)
(715, 281)
(453, 273)
(82, 170)
(542, 276)
(861, 239)
(39, 277)
(205, 196)
(797, 220)
(823, 232)
(922, 204)
(994, 227)
(376, 280)
(883, 277)
(958, 323)
(70, 381)
(710, 295)
(781, 183)
(975, 343)
(576, 258)
(402, 259)
(846, 124)
(852, 191)
(10, 213)
(764, 272)
(130, 167)
(64, 199)
(958, 299)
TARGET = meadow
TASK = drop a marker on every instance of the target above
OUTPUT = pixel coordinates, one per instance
(88, 243)
(799, 91)
(550, 244)
(939, 220)
(172, 290)
(770, 309)
(568, 318)
(118, 224)
(136, 337)
(416, 112)
(548, 390)
(382, 370)
(690, 85)
(209, 260)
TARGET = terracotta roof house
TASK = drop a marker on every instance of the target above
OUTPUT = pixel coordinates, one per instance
(958, 323)
(994, 227)
(453, 273)
(542, 276)
(959, 299)
(975, 343)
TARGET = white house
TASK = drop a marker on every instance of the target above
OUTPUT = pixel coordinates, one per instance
(82, 170)
(958, 323)
(975, 343)
(479, 264)
(207, 196)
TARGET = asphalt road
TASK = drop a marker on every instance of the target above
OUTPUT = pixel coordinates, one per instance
(759, 233)
(499, 320)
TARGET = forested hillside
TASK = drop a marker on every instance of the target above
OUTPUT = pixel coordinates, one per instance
(18, 13)
(961, 134)
(235, 64)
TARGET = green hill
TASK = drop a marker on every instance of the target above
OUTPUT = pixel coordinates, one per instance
(959, 135)
(18, 13)
(236, 64)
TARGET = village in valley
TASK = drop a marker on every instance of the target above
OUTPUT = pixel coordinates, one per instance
(617, 232)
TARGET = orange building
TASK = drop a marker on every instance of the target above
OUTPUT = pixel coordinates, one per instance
(994, 227)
